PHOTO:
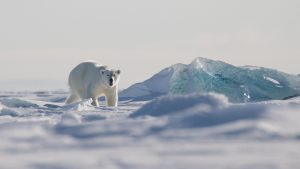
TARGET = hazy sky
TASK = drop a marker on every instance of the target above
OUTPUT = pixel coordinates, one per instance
(42, 40)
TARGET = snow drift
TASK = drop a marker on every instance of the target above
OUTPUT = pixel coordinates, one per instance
(176, 103)
(239, 84)
(212, 112)
(175, 131)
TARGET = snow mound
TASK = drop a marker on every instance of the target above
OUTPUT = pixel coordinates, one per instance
(79, 106)
(16, 102)
(239, 84)
(174, 103)
(69, 118)
(8, 112)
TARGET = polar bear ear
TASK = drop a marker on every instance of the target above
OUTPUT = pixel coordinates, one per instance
(118, 72)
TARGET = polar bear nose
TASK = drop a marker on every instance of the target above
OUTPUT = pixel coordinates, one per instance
(111, 81)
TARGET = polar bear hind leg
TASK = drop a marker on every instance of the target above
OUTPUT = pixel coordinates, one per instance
(87, 94)
(72, 98)
(95, 101)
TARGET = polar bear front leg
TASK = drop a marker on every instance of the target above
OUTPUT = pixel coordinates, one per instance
(72, 98)
(111, 101)
(112, 98)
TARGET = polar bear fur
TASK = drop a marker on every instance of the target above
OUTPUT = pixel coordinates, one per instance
(92, 80)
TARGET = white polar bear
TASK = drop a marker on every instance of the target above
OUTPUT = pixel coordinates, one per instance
(91, 80)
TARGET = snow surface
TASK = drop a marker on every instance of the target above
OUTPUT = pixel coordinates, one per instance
(178, 131)
(271, 80)
(239, 84)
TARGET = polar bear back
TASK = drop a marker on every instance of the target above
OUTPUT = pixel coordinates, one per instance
(84, 74)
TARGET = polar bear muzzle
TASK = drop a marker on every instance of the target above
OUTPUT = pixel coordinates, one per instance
(111, 81)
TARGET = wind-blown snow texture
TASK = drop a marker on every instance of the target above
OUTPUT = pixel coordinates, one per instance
(239, 84)
(181, 131)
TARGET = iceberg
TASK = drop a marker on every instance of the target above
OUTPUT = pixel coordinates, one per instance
(202, 75)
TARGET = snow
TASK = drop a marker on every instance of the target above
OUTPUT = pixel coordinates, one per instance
(176, 131)
(175, 103)
(15, 102)
(264, 119)
(251, 67)
(239, 84)
(271, 80)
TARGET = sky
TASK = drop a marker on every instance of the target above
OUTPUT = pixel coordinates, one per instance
(42, 40)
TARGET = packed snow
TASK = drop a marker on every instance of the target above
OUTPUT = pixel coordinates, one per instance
(239, 84)
(174, 131)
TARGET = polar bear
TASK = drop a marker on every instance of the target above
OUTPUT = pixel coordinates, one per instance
(91, 80)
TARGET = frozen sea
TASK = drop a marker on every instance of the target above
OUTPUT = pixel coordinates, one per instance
(198, 131)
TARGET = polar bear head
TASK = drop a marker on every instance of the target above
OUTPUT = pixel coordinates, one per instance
(110, 77)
